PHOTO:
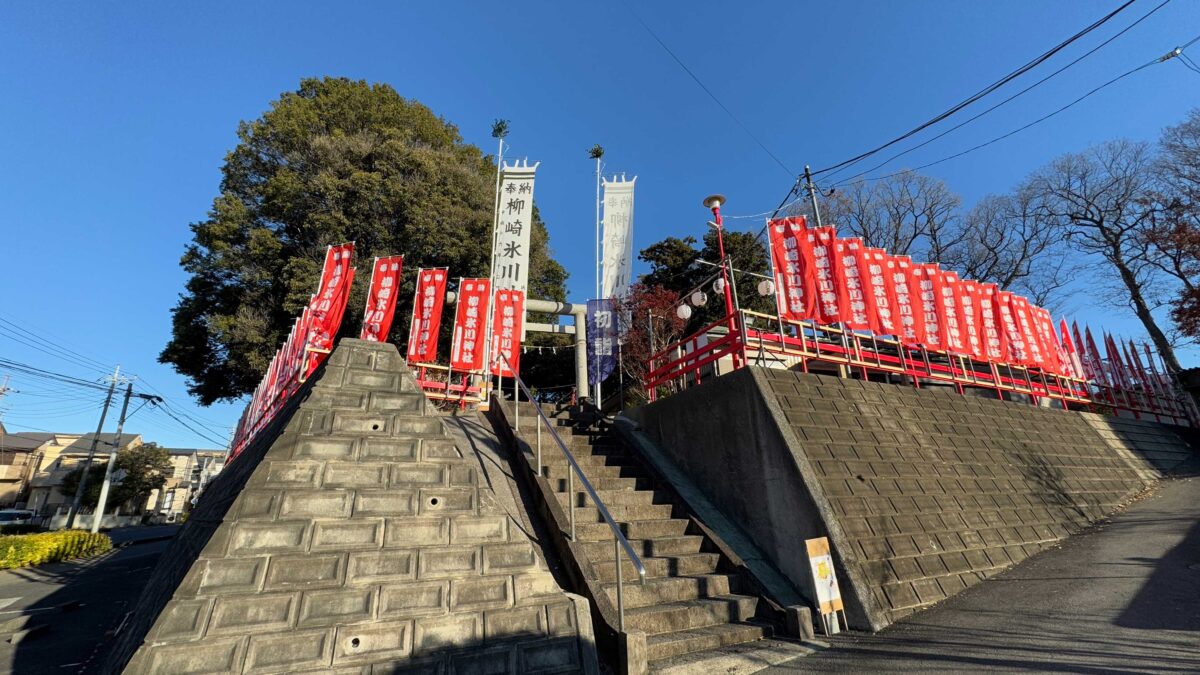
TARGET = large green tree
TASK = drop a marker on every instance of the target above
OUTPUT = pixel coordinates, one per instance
(336, 160)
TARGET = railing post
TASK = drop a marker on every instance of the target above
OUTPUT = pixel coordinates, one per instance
(539, 440)
(571, 497)
(620, 589)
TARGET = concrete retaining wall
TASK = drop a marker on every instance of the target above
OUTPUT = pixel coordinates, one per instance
(354, 537)
(922, 492)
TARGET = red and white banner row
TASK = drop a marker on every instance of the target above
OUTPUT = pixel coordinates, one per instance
(832, 280)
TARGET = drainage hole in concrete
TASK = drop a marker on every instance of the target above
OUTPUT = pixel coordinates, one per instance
(861, 478)
(374, 427)
(433, 501)
(355, 642)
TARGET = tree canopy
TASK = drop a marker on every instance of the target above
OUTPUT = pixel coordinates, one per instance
(336, 160)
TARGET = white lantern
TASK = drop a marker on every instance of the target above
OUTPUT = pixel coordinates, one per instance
(766, 287)
(719, 286)
(684, 312)
(699, 298)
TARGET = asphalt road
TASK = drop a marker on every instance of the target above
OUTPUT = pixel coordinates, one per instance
(1122, 597)
(104, 587)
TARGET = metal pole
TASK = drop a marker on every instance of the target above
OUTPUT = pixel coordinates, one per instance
(599, 260)
(621, 375)
(812, 194)
(539, 440)
(620, 590)
(112, 459)
(485, 394)
(571, 497)
(91, 453)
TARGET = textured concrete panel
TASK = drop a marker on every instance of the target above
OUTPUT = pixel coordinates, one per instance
(923, 492)
(352, 536)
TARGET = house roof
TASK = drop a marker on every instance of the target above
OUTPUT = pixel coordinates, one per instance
(105, 441)
(196, 451)
(29, 440)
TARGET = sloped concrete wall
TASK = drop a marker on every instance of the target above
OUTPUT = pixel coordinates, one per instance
(356, 537)
(922, 492)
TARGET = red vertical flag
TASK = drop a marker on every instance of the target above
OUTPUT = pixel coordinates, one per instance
(881, 296)
(792, 260)
(994, 345)
(909, 308)
(427, 315)
(1021, 309)
(1103, 374)
(970, 301)
(831, 293)
(951, 312)
(381, 298)
(1071, 351)
(1043, 325)
(1014, 338)
(508, 320)
(927, 278)
(327, 306)
(466, 350)
(850, 253)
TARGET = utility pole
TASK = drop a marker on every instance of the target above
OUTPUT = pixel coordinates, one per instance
(812, 194)
(87, 465)
(112, 460)
(597, 153)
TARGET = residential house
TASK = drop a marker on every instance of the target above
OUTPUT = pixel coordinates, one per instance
(60, 456)
(17, 454)
(192, 469)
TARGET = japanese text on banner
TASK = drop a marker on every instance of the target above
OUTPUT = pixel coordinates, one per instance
(381, 298)
(466, 351)
(507, 323)
(618, 238)
(514, 220)
(427, 315)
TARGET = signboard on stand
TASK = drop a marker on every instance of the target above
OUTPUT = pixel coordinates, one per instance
(829, 596)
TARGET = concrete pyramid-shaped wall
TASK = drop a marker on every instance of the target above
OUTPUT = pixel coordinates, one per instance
(354, 536)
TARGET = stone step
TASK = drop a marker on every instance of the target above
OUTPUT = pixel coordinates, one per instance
(560, 471)
(653, 529)
(691, 614)
(668, 566)
(669, 589)
(590, 531)
(584, 460)
(628, 513)
(658, 547)
(608, 497)
(668, 645)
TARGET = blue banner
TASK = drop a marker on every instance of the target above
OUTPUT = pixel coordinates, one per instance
(601, 339)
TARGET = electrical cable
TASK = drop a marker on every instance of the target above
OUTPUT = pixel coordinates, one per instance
(708, 91)
(981, 93)
(1005, 101)
(36, 335)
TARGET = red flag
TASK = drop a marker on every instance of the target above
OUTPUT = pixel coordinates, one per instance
(881, 296)
(850, 260)
(1072, 351)
(470, 319)
(328, 305)
(427, 315)
(1159, 384)
(929, 285)
(995, 345)
(949, 295)
(1114, 363)
(1043, 325)
(909, 307)
(507, 324)
(827, 276)
(1014, 337)
(1103, 374)
(792, 260)
(381, 298)
(1022, 312)
(970, 300)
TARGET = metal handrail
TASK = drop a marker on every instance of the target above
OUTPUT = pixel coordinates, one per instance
(619, 540)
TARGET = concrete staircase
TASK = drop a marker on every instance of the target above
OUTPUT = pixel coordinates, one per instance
(687, 605)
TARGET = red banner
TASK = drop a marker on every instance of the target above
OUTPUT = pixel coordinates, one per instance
(970, 302)
(1052, 356)
(909, 308)
(994, 345)
(328, 306)
(427, 315)
(831, 299)
(951, 313)
(1018, 350)
(507, 324)
(851, 257)
(466, 350)
(792, 260)
(1023, 313)
(927, 279)
(381, 298)
(881, 298)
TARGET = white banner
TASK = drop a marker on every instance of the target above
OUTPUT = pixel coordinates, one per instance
(618, 237)
(510, 255)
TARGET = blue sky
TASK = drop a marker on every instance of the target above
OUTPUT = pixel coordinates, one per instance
(117, 116)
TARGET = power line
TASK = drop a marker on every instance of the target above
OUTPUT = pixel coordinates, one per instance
(1037, 121)
(709, 91)
(981, 93)
(1005, 101)
(206, 437)
(79, 358)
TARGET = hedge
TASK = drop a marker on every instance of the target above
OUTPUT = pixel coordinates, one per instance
(25, 550)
